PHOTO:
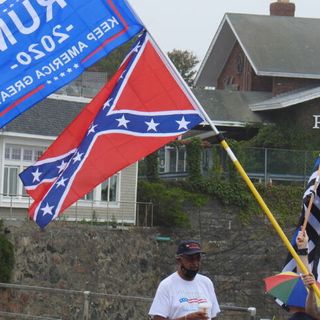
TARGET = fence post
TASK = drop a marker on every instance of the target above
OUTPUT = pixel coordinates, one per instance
(253, 312)
(86, 305)
(305, 170)
(137, 214)
(265, 165)
(77, 211)
(151, 214)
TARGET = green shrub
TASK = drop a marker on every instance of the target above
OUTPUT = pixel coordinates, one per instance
(168, 202)
(6, 257)
(284, 201)
(193, 149)
(151, 166)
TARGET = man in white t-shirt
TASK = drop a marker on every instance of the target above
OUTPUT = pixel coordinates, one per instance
(185, 294)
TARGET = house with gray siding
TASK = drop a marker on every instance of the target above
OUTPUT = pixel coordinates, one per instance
(25, 138)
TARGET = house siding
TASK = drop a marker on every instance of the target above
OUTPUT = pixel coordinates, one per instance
(123, 211)
(282, 85)
(239, 75)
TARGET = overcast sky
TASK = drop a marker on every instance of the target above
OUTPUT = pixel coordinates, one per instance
(191, 24)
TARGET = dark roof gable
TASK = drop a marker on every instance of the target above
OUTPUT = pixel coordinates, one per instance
(274, 45)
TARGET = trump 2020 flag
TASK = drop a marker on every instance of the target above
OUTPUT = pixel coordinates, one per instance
(313, 225)
(46, 44)
(144, 107)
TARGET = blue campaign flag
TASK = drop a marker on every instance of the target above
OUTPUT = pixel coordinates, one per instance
(45, 44)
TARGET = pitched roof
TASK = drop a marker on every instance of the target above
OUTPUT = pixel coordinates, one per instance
(287, 99)
(275, 46)
(49, 117)
(231, 108)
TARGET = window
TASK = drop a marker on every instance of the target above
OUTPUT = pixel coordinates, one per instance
(162, 160)
(24, 192)
(88, 196)
(28, 153)
(10, 180)
(16, 153)
(239, 63)
(181, 159)
(38, 153)
(109, 189)
(172, 159)
(17, 158)
(7, 153)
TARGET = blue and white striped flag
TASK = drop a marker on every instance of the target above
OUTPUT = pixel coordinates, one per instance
(312, 227)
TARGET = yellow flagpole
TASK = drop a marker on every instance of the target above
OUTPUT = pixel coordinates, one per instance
(238, 166)
(269, 214)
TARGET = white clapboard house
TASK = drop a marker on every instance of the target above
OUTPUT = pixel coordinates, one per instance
(25, 138)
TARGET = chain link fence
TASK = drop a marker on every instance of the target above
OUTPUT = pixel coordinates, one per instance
(264, 164)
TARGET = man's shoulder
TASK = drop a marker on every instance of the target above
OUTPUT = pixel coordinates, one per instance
(169, 278)
(203, 278)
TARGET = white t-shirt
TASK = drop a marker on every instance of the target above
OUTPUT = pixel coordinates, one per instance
(176, 297)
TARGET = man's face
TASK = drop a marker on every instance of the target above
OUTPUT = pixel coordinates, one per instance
(189, 265)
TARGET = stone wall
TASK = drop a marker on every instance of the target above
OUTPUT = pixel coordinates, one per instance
(121, 266)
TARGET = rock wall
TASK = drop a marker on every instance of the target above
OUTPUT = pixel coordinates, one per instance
(121, 268)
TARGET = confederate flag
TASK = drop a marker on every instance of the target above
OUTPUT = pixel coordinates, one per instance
(142, 108)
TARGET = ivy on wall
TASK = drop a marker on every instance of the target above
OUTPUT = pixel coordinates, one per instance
(151, 167)
(224, 182)
(169, 199)
(193, 150)
(168, 202)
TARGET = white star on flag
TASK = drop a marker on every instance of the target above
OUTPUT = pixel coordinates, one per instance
(137, 47)
(107, 103)
(123, 74)
(61, 182)
(36, 175)
(62, 166)
(152, 125)
(47, 209)
(123, 122)
(183, 124)
(77, 157)
(92, 129)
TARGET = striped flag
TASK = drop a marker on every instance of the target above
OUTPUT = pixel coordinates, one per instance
(312, 227)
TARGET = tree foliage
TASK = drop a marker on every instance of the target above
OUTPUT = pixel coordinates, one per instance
(6, 256)
(289, 136)
(169, 202)
(151, 162)
(111, 62)
(184, 61)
